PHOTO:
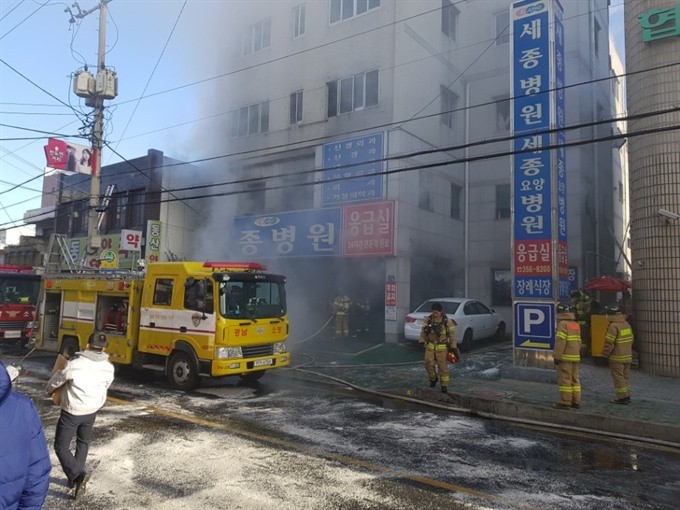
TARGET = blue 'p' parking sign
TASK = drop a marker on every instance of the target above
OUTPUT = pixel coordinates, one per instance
(534, 325)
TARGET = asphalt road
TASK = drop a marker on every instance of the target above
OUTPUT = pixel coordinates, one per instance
(289, 444)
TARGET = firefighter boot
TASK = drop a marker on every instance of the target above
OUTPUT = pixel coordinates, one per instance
(445, 389)
(434, 383)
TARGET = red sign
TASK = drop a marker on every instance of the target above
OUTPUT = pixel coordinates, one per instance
(390, 293)
(69, 157)
(533, 258)
(368, 229)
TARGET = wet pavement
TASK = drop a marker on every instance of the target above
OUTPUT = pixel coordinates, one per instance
(485, 383)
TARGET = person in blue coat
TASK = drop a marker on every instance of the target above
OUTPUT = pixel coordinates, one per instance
(24, 458)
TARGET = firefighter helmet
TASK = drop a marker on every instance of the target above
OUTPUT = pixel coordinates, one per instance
(451, 356)
(564, 308)
(612, 310)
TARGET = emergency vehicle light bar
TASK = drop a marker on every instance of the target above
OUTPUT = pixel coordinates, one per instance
(244, 266)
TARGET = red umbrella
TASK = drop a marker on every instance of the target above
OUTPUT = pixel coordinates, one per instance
(607, 284)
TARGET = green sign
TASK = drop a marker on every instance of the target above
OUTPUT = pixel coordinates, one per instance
(660, 23)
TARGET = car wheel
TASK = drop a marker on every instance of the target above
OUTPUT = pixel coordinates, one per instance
(500, 332)
(467, 340)
(182, 371)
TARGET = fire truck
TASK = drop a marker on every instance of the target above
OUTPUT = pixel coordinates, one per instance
(186, 319)
(19, 288)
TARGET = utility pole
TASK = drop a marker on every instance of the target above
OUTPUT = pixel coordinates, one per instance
(96, 90)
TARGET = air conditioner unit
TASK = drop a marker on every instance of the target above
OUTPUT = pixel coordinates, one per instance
(83, 84)
(106, 84)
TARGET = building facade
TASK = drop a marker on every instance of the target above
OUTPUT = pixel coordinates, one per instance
(430, 80)
(652, 49)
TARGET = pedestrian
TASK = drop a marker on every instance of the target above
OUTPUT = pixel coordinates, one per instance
(341, 306)
(437, 338)
(618, 349)
(24, 459)
(86, 377)
(566, 355)
(583, 309)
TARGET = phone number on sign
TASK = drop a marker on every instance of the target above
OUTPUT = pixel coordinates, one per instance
(533, 270)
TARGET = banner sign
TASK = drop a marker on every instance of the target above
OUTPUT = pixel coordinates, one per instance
(68, 156)
(369, 229)
(315, 232)
(153, 241)
(539, 176)
(356, 157)
(391, 298)
(131, 240)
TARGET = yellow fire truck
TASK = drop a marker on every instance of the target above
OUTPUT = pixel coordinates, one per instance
(187, 319)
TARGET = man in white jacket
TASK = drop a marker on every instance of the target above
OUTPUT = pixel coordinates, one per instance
(85, 379)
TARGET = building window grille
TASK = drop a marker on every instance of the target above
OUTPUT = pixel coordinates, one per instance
(449, 101)
(342, 10)
(299, 20)
(250, 120)
(257, 37)
(352, 93)
(449, 19)
(502, 201)
(296, 107)
(456, 201)
(502, 28)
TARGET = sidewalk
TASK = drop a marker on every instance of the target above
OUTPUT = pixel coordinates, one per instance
(485, 383)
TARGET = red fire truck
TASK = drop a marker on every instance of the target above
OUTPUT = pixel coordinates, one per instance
(19, 289)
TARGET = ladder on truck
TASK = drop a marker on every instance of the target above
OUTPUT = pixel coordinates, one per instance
(58, 256)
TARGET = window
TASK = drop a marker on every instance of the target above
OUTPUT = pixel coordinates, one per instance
(257, 37)
(250, 120)
(448, 105)
(502, 201)
(502, 28)
(425, 200)
(198, 295)
(502, 113)
(620, 192)
(456, 195)
(352, 93)
(296, 107)
(299, 20)
(342, 10)
(596, 36)
(501, 287)
(162, 294)
(449, 19)
(117, 212)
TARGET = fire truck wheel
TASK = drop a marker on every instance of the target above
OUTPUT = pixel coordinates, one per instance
(252, 377)
(182, 371)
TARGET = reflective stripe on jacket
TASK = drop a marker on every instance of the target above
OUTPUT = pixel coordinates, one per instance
(618, 342)
(567, 339)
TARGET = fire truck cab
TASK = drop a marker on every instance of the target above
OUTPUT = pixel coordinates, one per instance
(19, 287)
(187, 319)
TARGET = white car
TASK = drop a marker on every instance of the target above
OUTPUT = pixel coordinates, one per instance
(473, 319)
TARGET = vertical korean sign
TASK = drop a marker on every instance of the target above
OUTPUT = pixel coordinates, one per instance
(353, 168)
(540, 265)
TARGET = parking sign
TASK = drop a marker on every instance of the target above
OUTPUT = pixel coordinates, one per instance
(534, 325)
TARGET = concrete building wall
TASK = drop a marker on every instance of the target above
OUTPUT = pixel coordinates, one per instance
(652, 85)
(416, 62)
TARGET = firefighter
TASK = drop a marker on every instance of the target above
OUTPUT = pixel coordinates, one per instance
(618, 349)
(341, 305)
(360, 318)
(437, 338)
(566, 355)
(582, 308)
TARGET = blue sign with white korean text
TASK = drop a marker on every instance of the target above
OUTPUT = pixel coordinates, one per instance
(534, 325)
(310, 233)
(353, 169)
(536, 67)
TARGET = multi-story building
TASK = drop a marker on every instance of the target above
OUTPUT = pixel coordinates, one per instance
(428, 83)
(652, 49)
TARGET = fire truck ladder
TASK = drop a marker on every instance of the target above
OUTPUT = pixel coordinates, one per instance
(58, 255)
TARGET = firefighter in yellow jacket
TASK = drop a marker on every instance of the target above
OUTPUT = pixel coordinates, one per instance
(567, 358)
(341, 305)
(618, 349)
(437, 338)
